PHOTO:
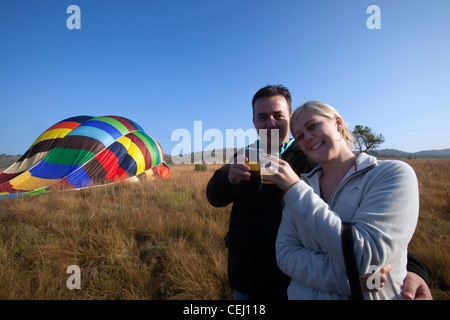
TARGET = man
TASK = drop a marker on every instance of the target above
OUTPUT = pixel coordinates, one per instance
(257, 208)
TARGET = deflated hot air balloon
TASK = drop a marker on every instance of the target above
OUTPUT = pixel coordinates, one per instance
(82, 152)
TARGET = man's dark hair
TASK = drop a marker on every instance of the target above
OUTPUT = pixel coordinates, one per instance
(273, 90)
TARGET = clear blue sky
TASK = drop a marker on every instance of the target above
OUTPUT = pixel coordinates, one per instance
(165, 64)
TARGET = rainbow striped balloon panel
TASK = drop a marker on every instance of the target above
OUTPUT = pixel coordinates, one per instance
(84, 151)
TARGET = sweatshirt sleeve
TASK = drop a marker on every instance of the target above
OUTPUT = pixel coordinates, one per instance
(311, 268)
(384, 222)
(387, 217)
(219, 191)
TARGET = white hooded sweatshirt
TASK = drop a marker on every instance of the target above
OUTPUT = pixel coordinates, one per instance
(380, 199)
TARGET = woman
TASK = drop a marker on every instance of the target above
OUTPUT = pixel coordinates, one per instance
(379, 198)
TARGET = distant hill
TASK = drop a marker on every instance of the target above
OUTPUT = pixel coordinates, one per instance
(7, 160)
(394, 153)
(383, 153)
(206, 155)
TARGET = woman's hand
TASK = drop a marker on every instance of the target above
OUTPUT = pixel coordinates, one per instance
(281, 172)
(367, 279)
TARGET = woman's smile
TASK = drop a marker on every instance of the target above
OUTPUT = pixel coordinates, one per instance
(317, 146)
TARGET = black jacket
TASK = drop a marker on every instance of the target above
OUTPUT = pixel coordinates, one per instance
(254, 221)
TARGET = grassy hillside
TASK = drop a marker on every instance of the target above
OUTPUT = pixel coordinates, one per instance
(161, 239)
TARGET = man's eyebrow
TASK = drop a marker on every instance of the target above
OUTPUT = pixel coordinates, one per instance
(265, 113)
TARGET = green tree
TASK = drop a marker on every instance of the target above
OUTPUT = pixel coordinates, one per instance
(365, 139)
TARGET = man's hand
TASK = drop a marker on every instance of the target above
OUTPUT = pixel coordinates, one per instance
(239, 170)
(415, 288)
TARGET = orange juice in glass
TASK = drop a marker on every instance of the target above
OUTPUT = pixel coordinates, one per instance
(265, 165)
(252, 160)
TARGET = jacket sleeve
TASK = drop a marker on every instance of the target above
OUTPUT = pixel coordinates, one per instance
(387, 217)
(219, 191)
(418, 268)
(384, 222)
(311, 268)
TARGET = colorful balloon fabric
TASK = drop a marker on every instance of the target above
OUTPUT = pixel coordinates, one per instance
(85, 151)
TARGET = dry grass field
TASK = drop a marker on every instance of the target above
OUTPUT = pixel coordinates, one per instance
(431, 241)
(161, 239)
(154, 240)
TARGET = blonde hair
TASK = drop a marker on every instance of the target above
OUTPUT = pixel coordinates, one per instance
(324, 110)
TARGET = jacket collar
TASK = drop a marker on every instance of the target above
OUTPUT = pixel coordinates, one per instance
(259, 144)
(363, 161)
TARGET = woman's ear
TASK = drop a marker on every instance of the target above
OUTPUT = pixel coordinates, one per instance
(339, 123)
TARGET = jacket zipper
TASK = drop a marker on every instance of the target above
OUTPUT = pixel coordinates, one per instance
(343, 182)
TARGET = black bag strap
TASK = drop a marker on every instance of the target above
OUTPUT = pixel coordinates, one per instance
(350, 261)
